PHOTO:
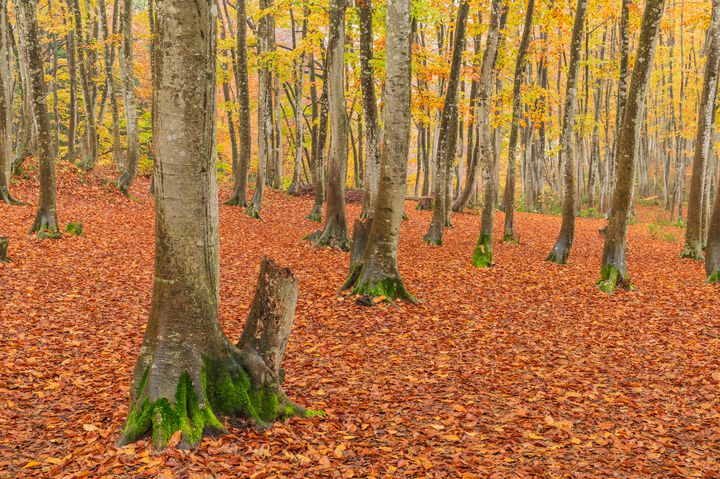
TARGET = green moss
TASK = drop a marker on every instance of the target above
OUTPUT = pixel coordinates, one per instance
(49, 234)
(482, 256)
(510, 238)
(389, 288)
(611, 278)
(322, 239)
(252, 212)
(315, 216)
(228, 392)
(74, 229)
(714, 277)
(163, 418)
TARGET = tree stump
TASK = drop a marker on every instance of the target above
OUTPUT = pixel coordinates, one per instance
(4, 243)
(269, 323)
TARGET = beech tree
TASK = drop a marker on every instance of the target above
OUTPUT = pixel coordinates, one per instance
(561, 249)
(614, 270)
(132, 154)
(46, 221)
(483, 253)
(6, 107)
(370, 111)
(376, 274)
(335, 233)
(240, 174)
(448, 136)
(703, 140)
(188, 374)
(517, 111)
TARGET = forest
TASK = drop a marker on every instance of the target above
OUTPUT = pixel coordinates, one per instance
(359, 239)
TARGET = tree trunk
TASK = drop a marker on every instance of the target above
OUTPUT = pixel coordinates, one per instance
(239, 195)
(706, 116)
(6, 109)
(485, 85)
(266, 45)
(447, 139)
(561, 249)
(319, 167)
(369, 103)
(335, 233)
(188, 373)
(91, 136)
(132, 154)
(614, 267)
(46, 222)
(377, 275)
(296, 184)
(509, 200)
(483, 253)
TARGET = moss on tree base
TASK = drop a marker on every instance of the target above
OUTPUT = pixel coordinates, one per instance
(252, 211)
(227, 390)
(692, 252)
(482, 256)
(322, 238)
(611, 279)
(390, 289)
(714, 278)
(235, 200)
(315, 216)
(510, 238)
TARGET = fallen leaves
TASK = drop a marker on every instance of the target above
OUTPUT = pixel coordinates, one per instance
(523, 370)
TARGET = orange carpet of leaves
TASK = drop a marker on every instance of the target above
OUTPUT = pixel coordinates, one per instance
(523, 370)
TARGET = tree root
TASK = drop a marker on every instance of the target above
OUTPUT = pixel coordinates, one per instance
(483, 256)
(690, 251)
(611, 279)
(315, 214)
(4, 243)
(236, 200)
(6, 197)
(560, 252)
(330, 238)
(252, 211)
(434, 235)
(46, 225)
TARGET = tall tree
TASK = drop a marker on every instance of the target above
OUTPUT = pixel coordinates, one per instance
(703, 140)
(369, 103)
(91, 149)
(46, 222)
(520, 71)
(188, 373)
(561, 249)
(377, 274)
(614, 271)
(132, 154)
(483, 253)
(296, 184)
(239, 195)
(266, 45)
(6, 107)
(335, 233)
(448, 134)
(319, 140)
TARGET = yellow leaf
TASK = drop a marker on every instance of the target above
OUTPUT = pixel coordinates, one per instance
(54, 460)
(31, 464)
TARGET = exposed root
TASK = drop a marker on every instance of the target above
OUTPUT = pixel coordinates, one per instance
(236, 200)
(434, 235)
(330, 238)
(252, 211)
(692, 251)
(315, 214)
(560, 252)
(7, 198)
(611, 279)
(46, 225)
(123, 183)
(511, 238)
(389, 289)
(483, 256)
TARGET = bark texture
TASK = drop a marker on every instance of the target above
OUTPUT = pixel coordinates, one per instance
(377, 275)
(561, 249)
(335, 232)
(132, 154)
(614, 270)
(188, 374)
(706, 116)
(46, 222)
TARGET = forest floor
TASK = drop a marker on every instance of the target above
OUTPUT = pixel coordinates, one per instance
(525, 370)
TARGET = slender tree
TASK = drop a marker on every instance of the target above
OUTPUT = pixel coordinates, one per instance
(561, 249)
(6, 107)
(335, 233)
(239, 195)
(448, 134)
(132, 154)
(703, 139)
(46, 222)
(377, 275)
(188, 374)
(483, 254)
(320, 138)
(296, 184)
(614, 267)
(266, 45)
(369, 103)
(520, 71)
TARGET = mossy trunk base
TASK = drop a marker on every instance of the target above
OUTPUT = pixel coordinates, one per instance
(4, 243)
(483, 256)
(7, 198)
(611, 278)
